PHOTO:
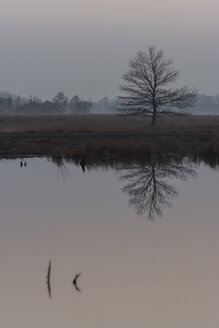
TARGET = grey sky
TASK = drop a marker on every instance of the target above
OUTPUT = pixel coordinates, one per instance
(83, 46)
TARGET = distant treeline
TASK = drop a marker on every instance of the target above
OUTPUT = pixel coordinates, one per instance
(59, 104)
(206, 105)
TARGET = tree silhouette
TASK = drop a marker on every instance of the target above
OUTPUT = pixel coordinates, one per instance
(146, 86)
(148, 187)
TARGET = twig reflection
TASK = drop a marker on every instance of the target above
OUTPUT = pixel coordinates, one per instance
(48, 279)
(83, 164)
(62, 170)
(75, 282)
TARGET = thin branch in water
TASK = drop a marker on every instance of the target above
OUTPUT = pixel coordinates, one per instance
(48, 279)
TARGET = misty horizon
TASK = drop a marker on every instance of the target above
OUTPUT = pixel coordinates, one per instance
(17, 104)
(83, 47)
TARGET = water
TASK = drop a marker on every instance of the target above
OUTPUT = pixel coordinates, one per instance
(138, 269)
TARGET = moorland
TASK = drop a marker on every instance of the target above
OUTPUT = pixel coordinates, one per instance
(107, 136)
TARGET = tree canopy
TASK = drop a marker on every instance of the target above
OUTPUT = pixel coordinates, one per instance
(146, 89)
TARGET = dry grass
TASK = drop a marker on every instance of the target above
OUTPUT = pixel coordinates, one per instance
(107, 136)
(70, 123)
(101, 123)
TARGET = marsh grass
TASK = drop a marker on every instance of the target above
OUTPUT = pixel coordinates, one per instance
(103, 123)
(70, 123)
(107, 136)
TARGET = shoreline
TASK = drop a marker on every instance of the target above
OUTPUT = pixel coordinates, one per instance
(106, 145)
(107, 136)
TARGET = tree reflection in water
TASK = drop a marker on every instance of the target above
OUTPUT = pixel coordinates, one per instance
(148, 184)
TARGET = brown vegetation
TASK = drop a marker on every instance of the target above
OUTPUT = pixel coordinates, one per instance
(101, 123)
(107, 136)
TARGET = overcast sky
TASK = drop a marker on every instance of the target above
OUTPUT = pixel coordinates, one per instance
(83, 46)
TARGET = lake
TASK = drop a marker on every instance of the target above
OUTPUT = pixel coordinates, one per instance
(143, 236)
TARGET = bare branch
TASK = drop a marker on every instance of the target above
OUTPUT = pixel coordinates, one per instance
(145, 89)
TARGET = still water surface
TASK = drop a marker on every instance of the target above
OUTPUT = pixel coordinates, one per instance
(138, 269)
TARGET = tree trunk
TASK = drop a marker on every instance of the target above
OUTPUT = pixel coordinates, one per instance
(154, 115)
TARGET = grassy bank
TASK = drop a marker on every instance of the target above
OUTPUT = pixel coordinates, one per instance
(101, 123)
(107, 136)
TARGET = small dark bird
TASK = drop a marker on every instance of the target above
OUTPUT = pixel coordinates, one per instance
(21, 163)
(75, 282)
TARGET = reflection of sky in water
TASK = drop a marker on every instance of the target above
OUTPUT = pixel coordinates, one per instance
(134, 272)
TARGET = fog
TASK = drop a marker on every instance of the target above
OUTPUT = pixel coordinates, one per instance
(83, 47)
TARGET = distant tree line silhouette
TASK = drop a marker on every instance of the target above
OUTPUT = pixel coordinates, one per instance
(59, 104)
(207, 104)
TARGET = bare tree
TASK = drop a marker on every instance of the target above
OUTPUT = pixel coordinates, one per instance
(145, 87)
(61, 101)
